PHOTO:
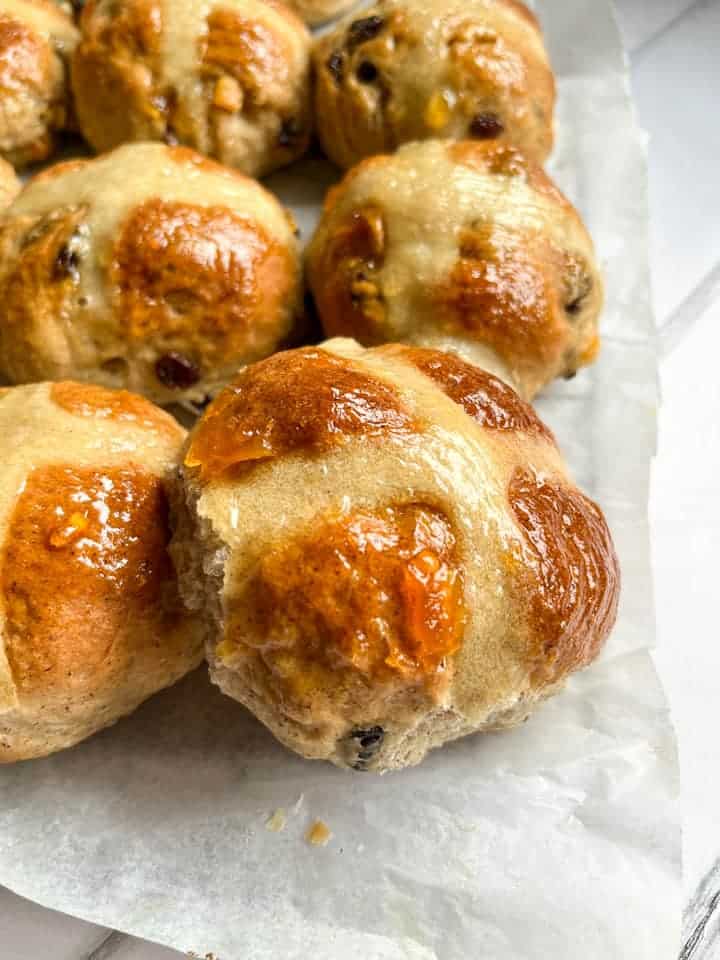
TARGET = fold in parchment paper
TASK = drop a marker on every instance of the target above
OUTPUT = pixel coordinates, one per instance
(556, 840)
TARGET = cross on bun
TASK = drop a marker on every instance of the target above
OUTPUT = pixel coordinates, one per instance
(230, 78)
(406, 70)
(91, 622)
(422, 566)
(319, 11)
(459, 245)
(150, 268)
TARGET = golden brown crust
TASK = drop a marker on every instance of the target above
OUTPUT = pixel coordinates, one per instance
(373, 597)
(166, 287)
(504, 293)
(438, 580)
(35, 41)
(230, 79)
(121, 406)
(301, 401)
(506, 273)
(37, 274)
(573, 578)
(116, 63)
(349, 300)
(84, 558)
(407, 70)
(201, 282)
(91, 623)
(485, 398)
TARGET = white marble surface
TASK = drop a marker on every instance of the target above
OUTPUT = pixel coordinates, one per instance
(676, 76)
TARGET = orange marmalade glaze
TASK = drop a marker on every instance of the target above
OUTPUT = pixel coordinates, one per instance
(506, 293)
(304, 399)
(574, 578)
(90, 400)
(200, 272)
(378, 593)
(485, 398)
(84, 560)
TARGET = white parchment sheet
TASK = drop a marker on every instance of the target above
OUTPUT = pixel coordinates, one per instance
(557, 840)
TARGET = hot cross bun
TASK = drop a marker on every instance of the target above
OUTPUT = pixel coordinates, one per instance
(230, 78)
(91, 622)
(461, 245)
(407, 70)
(423, 566)
(37, 39)
(150, 268)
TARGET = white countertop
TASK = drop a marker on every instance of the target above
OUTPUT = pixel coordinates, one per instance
(674, 47)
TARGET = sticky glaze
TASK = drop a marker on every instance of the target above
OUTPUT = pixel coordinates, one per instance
(89, 400)
(84, 561)
(376, 593)
(246, 49)
(205, 274)
(502, 292)
(485, 398)
(301, 400)
(573, 578)
(351, 300)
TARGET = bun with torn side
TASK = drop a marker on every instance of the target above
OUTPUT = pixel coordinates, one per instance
(422, 566)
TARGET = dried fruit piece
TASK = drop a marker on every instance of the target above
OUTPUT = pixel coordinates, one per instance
(228, 95)
(360, 31)
(318, 834)
(177, 371)
(366, 72)
(486, 126)
(437, 111)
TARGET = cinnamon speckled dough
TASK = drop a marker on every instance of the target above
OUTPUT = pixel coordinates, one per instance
(230, 78)
(36, 41)
(319, 11)
(405, 70)
(150, 268)
(423, 567)
(462, 245)
(91, 623)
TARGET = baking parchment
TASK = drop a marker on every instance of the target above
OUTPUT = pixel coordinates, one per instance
(556, 840)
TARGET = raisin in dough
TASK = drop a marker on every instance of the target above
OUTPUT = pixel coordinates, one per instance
(91, 622)
(230, 78)
(150, 268)
(407, 70)
(465, 246)
(423, 566)
(36, 41)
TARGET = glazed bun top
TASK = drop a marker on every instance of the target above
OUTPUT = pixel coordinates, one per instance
(406, 70)
(421, 549)
(37, 39)
(90, 619)
(460, 245)
(150, 268)
(230, 78)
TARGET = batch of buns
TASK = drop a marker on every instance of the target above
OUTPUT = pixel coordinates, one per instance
(373, 540)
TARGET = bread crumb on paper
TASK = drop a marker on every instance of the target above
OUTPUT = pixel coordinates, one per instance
(318, 834)
(277, 821)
